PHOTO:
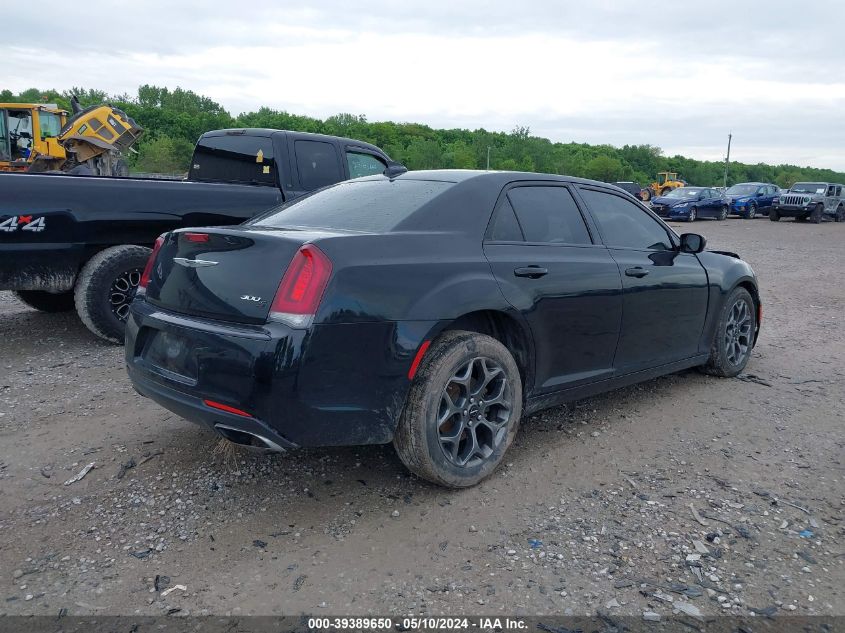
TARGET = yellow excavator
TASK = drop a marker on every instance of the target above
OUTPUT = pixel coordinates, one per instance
(42, 138)
(666, 181)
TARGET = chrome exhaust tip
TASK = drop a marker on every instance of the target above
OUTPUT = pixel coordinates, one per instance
(249, 440)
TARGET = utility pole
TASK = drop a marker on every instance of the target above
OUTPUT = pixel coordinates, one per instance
(727, 160)
(488, 158)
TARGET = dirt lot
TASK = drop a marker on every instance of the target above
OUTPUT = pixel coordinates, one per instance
(594, 510)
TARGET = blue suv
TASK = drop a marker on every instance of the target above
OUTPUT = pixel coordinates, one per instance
(747, 199)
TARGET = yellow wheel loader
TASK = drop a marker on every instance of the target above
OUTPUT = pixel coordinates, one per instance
(666, 181)
(40, 138)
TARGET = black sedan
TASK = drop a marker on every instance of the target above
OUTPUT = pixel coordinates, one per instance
(690, 204)
(432, 310)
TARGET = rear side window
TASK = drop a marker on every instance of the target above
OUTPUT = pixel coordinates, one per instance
(548, 214)
(234, 158)
(361, 164)
(317, 164)
(373, 206)
(623, 224)
(504, 227)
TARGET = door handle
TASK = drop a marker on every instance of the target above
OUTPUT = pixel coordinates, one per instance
(637, 271)
(532, 272)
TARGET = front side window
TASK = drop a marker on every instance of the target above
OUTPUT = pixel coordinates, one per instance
(623, 224)
(317, 164)
(50, 124)
(548, 214)
(361, 164)
(234, 158)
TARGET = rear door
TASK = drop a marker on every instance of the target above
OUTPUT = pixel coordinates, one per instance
(713, 202)
(566, 286)
(665, 291)
(316, 163)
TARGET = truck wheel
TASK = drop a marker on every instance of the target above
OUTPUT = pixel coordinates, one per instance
(774, 215)
(840, 213)
(816, 215)
(46, 301)
(106, 287)
(462, 412)
(734, 337)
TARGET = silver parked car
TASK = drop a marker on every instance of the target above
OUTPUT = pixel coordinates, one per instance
(811, 201)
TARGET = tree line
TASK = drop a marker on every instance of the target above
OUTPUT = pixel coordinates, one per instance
(174, 119)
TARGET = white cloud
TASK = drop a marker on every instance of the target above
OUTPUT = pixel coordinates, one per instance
(602, 73)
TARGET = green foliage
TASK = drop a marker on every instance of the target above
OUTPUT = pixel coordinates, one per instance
(174, 119)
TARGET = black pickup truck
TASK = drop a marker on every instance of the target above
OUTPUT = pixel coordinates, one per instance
(83, 242)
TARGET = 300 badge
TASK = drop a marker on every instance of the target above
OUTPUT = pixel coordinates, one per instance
(24, 223)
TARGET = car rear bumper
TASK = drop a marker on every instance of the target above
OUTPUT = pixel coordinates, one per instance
(331, 385)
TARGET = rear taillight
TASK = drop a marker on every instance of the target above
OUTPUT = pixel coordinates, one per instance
(196, 237)
(148, 269)
(302, 287)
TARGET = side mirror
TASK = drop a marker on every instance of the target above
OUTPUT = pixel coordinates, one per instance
(692, 243)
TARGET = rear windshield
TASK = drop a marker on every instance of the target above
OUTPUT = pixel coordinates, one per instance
(365, 205)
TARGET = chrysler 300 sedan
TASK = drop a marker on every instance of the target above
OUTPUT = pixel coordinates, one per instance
(432, 310)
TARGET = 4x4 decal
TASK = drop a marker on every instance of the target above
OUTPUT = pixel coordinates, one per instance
(24, 223)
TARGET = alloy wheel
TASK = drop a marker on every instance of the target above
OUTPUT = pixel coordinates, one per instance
(752, 211)
(122, 291)
(692, 214)
(474, 412)
(738, 332)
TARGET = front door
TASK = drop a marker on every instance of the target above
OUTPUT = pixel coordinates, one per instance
(567, 287)
(665, 291)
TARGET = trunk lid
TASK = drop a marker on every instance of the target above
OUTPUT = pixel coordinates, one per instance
(226, 274)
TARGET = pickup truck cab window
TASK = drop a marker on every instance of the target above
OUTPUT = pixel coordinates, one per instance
(317, 164)
(362, 164)
(548, 215)
(623, 224)
(234, 158)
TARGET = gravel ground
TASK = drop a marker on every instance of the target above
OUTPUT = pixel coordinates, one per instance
(687, 493)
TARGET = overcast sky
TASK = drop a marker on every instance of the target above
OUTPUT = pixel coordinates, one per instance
(679, 75)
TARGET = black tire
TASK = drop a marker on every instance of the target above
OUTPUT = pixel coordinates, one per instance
(647, 194)
(774, 215)
(723, 213)
(46, 301)
(422, 434)
(840, 214)
(752, 212)
(732, 344)
(105, 288)
(817, 214)
(693, 214)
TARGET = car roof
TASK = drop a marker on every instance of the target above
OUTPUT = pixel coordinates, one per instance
(758, 184)
(492, 177)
